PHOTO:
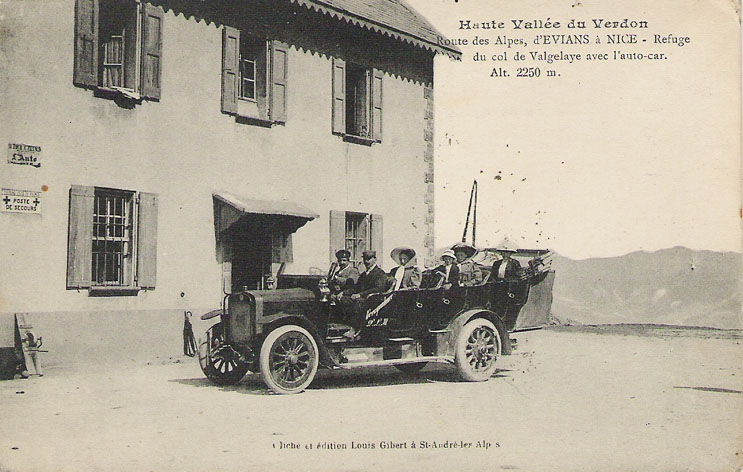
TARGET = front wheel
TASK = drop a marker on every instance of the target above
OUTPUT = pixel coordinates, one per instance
(289, 359)
(219, 362)
(478, 347)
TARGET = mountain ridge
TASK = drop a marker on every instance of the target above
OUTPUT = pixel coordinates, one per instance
(673, 286)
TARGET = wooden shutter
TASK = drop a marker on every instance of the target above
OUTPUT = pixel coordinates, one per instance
(86, 43)
(377, 235)
(152, 50)
(147, 240)
(230, 66)
(80, 237)
(339, 96)
(262, 81)
(279, 71)
(337, 232)
(376, 105)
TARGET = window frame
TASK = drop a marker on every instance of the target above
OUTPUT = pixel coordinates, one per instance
(131, 44)
(355, 123)
(127, 277)
(138, 262)
(260, 47)
(141, 27)
(358, 101)
(341, 239)
(269, 107)
(353, 241)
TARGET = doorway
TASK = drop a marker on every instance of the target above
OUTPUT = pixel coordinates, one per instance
(250, 247)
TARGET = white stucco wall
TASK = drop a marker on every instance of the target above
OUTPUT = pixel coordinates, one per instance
(183, 148)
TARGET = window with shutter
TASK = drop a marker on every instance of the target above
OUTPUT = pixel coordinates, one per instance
(112, 240)
(118, 48)
(254, 78)
(357, 102)
(355, 232)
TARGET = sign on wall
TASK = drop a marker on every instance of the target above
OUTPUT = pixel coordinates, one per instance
(24, 154)
(20, 201)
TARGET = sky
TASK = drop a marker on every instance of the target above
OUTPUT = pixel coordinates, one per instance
(608, 158)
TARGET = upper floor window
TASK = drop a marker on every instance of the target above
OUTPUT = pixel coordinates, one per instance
(357, 102)
(252, 51)
(254, 77)
(112, 239)
(118, 47)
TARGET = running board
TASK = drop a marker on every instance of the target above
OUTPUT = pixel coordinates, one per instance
(413, 360)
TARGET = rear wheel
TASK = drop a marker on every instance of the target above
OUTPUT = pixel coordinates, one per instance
(289, 359)
(478, 347)
(219, 362)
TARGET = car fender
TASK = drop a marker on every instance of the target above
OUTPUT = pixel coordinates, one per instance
(282, 319)
(461, 319)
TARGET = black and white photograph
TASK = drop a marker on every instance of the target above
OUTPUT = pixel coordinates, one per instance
(371, 235)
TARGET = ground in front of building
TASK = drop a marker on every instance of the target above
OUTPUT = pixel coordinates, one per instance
(568, 399)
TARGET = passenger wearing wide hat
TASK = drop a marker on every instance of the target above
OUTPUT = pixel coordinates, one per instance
(506, 268)
(342, 275)
(448, 270)
(469, 271)
(406, 274)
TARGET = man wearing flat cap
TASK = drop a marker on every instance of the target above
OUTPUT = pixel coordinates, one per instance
(372, 280)
(342, 275)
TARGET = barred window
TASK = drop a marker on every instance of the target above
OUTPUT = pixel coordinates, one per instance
(357, 235)
(112, 238)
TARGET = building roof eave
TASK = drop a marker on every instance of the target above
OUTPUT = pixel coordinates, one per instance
(422, 35)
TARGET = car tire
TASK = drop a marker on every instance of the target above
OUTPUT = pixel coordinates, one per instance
(289, 359)
(219, 365)
(411, 368)
(477, 349)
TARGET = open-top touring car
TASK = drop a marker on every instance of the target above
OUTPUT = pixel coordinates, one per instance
(288, 333)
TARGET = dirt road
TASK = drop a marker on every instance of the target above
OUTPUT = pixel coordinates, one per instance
(566, 400)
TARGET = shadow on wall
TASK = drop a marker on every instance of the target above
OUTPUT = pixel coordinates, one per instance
(312, 32)
(110, 338)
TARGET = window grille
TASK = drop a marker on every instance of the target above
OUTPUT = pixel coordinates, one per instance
(356, 235)
(112, 238)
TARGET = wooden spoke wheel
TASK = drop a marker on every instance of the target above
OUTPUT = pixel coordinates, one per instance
(477, 349)
(219, 362)
(289, 359)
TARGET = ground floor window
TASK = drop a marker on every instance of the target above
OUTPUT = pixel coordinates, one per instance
(112, 239)
(355, 232)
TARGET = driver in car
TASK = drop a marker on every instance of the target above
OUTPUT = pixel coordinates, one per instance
(342, 275)
(372, 280)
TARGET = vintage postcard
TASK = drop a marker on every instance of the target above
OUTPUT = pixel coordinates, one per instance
(360, 235)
